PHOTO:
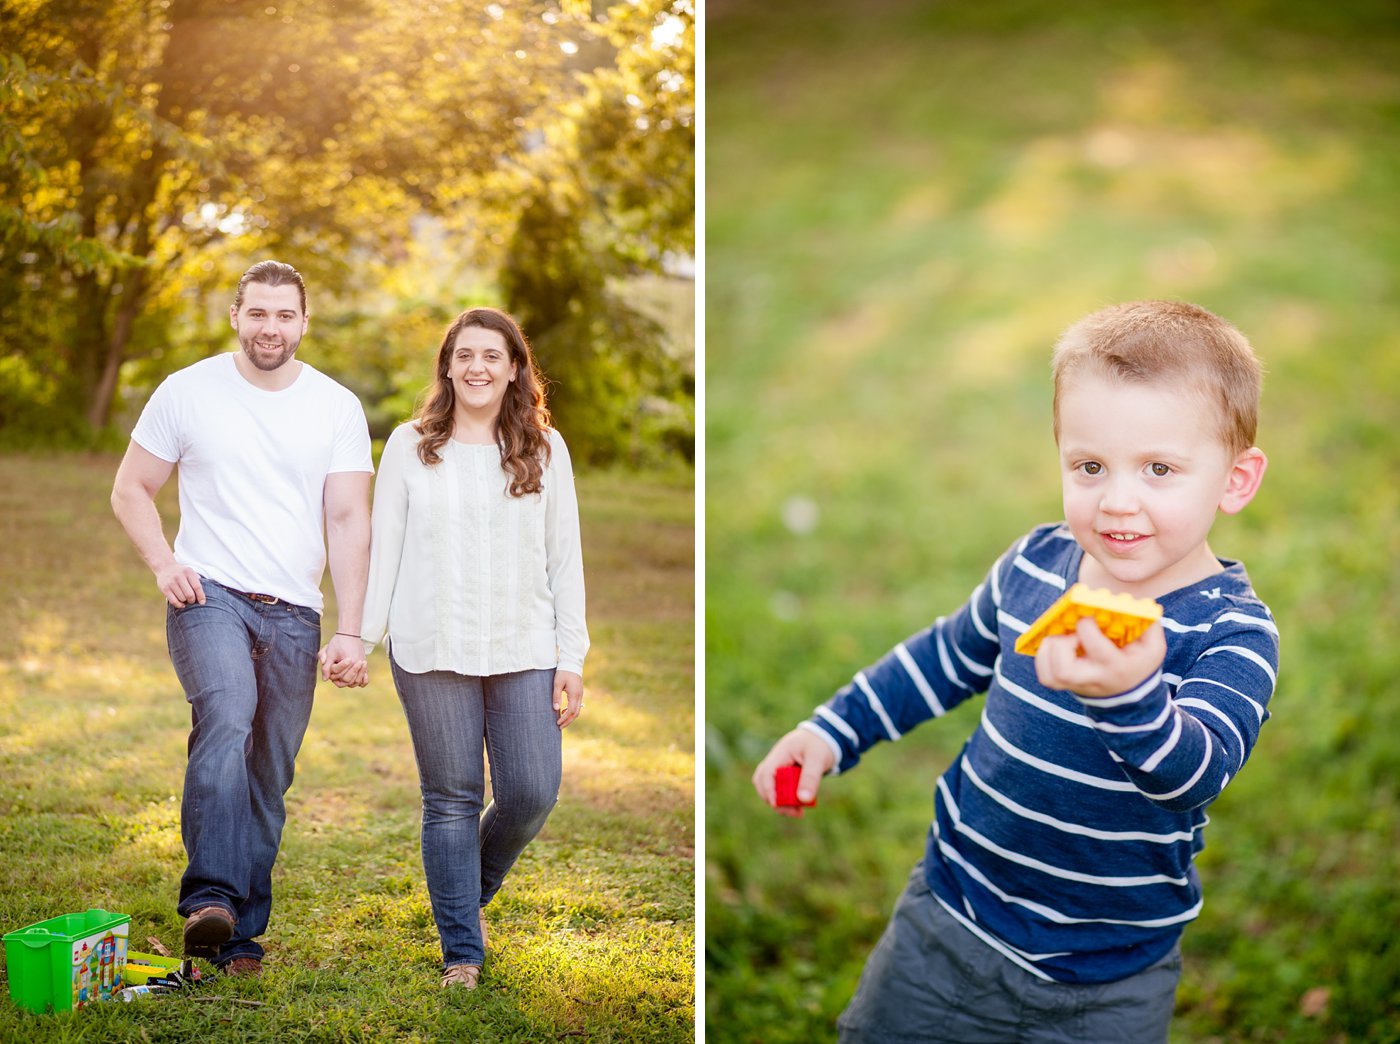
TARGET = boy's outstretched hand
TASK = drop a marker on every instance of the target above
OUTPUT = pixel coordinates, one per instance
(1089, 664)
(798, 747)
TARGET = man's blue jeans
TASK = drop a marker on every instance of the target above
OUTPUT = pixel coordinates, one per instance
(249, 673)
(467, 853)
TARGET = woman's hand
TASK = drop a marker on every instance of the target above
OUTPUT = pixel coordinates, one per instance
(343, 662)
(568, 696)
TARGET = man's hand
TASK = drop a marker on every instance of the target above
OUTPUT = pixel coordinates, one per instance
(343, 662)
(139, 478)
(798, 747)
(1089, 664)
(180, 585)
(568, 696)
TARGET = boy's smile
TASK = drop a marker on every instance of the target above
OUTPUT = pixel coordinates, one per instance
(1144, 472)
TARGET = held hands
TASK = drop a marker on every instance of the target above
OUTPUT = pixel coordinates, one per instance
(180, 585)
(568, 696)
(798, 747)
(1089, 664)
(343, 662)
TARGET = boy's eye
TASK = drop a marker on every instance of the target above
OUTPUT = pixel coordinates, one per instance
(1091, 467)
(1160, 470)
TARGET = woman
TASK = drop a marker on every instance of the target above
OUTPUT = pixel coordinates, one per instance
(476, 573)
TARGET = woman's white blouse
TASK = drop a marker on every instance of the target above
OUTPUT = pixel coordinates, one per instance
(465, 577)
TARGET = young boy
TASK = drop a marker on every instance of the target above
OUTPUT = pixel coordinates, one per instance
(1058, 873)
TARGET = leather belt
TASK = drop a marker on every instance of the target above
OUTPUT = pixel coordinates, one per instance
(266, 599)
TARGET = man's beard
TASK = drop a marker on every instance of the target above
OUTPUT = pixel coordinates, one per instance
(263, 361)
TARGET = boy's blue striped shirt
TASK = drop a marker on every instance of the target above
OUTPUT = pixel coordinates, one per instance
(1064, 832)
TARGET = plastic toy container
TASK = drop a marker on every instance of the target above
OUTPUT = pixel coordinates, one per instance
(67, 961)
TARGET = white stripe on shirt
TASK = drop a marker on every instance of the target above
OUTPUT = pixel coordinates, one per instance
(1040, 703)
(1251, 621)
(876, 705)
(1049, 913)
(838, 723)
(1195, 776)
(1131, 696)
(1166, 748)
(1248, 654)
(1203, 705)
(1050, 768)
(911, 668)
(982, 629)
(947, 664)
(1066, 827)
(1028, 567)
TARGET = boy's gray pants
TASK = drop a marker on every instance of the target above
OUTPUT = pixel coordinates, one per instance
(931, 980)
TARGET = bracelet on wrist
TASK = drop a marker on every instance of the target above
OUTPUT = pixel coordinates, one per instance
(347, 634)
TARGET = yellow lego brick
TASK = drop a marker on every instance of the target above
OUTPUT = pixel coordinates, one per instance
(1122, 618)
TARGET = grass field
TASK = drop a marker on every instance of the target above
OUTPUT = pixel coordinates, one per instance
(906, 203)
(592, 936)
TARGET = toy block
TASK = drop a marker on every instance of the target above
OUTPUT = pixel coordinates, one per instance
(1121, 617)
(156, 969)
(785, 780)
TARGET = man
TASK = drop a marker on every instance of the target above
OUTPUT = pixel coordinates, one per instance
(270, 452)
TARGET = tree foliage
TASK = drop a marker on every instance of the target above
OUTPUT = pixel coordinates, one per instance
(401, 155)
(610, 196)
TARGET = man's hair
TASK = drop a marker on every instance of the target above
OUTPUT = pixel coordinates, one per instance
(271, 273)
(1168, 342)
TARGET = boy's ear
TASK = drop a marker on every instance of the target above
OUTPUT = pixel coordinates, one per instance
(1245, 476)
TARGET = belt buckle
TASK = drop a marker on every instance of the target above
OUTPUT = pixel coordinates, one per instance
(264, 598)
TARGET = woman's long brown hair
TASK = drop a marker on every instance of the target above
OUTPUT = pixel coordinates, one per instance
(522, 428)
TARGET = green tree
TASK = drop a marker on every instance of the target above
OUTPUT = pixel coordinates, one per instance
(153, 148)
(611, 195)
(150, 130)
(82, 154)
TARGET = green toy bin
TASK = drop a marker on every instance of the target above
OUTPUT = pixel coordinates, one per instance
(68, 961)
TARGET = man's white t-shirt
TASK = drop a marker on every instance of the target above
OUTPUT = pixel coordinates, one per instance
(252, 472)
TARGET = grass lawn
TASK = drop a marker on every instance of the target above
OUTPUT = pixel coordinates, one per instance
(592, 936)
(906, 203)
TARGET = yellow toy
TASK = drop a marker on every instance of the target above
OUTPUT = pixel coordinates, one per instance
(141, 967)
(1122, 618)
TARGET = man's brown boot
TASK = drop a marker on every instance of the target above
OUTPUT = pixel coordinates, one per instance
(207, 929)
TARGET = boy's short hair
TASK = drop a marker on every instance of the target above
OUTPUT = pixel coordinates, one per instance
(1152, 341)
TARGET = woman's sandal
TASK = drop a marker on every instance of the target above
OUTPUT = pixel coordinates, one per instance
(464, 975)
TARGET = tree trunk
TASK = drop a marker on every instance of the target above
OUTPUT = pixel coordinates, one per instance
(144, 187)
(100, 406)
(88, 334)
(101, 331)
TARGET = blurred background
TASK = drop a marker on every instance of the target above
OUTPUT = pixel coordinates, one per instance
(410, 159)
(906, 203)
